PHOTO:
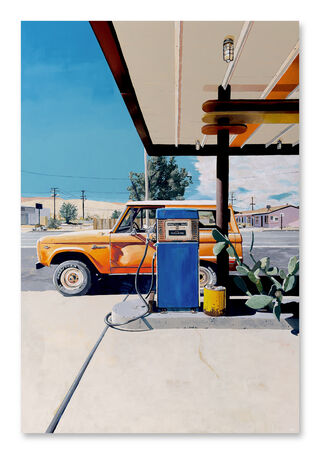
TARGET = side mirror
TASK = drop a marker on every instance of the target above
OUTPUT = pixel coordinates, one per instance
(133, 231)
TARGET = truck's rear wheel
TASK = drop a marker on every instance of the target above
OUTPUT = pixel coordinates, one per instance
(72, 278)
(207, 275)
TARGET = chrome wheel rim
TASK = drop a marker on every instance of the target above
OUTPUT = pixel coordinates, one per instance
(71, 278)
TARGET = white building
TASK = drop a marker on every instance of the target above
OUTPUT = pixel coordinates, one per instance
(270, 217)
(30, 215)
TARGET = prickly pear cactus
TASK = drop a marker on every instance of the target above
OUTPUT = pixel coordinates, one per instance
(273, 298)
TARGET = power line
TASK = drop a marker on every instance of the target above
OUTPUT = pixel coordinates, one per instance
(250, 176)
(66, 193)
(38, 192)
(73, 176)
(107, 192)
(70, 195)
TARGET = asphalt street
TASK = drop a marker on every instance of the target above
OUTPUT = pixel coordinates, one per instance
(278, 245)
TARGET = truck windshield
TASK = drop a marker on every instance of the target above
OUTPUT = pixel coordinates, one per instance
(127, 221)
(137, 218)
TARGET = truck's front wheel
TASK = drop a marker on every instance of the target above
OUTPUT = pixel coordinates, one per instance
(72, 278)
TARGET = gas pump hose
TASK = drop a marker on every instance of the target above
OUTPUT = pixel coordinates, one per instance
(143, 299)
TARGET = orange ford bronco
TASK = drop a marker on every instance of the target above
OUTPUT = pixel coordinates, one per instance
(82, 256)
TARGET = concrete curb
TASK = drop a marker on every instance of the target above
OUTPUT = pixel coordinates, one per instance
(123, 312)
(200, 320)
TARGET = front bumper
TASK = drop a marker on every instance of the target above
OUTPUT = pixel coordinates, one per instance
(39, 265)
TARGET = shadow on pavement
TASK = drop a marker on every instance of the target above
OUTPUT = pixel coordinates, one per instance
(113, 285)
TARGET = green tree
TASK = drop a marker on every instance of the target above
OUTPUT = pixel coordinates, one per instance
(115, 214)
(166, 180)
(68, 211)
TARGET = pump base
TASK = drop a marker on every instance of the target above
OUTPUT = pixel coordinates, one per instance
(127, 310)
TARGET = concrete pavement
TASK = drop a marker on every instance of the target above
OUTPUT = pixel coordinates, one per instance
(163, 381)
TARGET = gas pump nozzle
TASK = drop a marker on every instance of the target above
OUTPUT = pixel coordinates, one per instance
(133, 231)
(151, 233)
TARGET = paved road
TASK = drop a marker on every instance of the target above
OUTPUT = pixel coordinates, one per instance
(272, 239)
(277, 245)
(29, 239)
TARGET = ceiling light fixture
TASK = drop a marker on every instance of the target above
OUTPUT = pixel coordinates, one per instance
(228, 49)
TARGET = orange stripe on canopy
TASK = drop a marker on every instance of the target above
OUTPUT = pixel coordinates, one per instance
(286, 84)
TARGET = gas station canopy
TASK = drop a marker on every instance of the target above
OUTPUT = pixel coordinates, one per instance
(166, 71)
(208, 89)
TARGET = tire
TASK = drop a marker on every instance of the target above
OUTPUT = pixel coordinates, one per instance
(72, 278)
(207, 276)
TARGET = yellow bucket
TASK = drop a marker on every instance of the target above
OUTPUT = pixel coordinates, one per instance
(214, 300)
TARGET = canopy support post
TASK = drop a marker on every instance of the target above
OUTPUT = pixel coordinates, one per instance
(222, 193)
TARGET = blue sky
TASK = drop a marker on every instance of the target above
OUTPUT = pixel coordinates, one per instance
(75, 124)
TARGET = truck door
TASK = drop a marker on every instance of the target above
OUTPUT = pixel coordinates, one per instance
(127, 243)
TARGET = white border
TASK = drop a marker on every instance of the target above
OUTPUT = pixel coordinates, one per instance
(11, 13)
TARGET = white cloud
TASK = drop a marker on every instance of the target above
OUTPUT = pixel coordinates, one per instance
(206, 166)
(261, 177)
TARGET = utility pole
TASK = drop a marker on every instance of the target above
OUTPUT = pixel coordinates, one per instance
(252, 204)
(281, 219)
(146, 184)
(83, 197)
(54, 195)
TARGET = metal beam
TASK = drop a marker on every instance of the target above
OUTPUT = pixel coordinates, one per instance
(283, 68)
(110, 46)
(246, 106)
(214, 150)
(280, 134)
(178, 74)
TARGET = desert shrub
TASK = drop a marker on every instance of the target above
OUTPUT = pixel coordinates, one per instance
(53, 223)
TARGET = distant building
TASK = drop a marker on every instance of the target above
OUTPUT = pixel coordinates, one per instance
(30, 215)
(270, 217)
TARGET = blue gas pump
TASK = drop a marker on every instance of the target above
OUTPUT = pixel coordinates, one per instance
(177, 259)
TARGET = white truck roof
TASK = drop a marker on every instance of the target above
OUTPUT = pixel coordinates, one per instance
(172, 202)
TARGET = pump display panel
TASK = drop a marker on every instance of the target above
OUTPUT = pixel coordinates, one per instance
(177, 230)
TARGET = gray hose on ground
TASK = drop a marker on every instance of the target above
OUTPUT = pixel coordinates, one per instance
(55, 421)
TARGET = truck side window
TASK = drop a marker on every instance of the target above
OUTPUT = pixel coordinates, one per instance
(148, 218)
(207, 219)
